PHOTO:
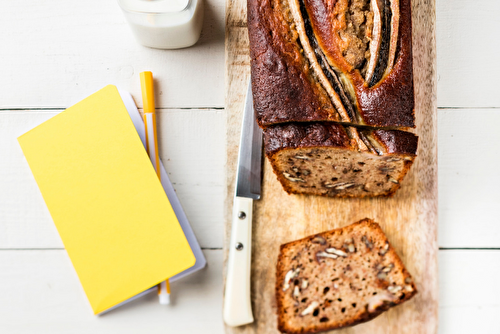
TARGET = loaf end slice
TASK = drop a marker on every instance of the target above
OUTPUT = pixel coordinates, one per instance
(323, 159)
(339, 278)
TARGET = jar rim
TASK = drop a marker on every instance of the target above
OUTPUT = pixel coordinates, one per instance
(154, 6)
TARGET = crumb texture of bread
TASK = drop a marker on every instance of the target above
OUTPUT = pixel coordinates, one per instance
(321, 159)
(339, 278)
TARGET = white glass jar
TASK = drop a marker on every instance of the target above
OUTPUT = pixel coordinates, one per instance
(164, 24)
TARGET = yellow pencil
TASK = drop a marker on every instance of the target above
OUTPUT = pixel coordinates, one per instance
(148, 100)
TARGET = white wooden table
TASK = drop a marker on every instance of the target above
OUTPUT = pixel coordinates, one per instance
(53, 54)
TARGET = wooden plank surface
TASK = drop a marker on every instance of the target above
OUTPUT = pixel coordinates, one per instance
(409, 218)
(469, 291)
(466, 37)
(191, 146)
(69, 47)
(53, 54)
(468, 178)
(40, 293)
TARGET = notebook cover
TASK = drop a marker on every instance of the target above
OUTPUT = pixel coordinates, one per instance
(201, 262)
(106, 201)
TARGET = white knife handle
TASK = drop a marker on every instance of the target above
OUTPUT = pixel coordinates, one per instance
(237, 304)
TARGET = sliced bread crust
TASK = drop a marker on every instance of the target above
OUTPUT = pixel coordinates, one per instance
(339, 278)
(321, 158)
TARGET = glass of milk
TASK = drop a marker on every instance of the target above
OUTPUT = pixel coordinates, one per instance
(164, 24)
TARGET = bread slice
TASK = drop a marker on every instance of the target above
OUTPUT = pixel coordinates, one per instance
(339, 278)
(329, 159)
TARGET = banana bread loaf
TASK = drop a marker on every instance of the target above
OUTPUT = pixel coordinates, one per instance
(346, 61)
(339, 278)
(328, 159)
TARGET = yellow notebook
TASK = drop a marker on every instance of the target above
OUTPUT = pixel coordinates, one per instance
(106, 201)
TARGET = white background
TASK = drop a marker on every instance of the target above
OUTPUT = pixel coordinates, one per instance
(53, 54)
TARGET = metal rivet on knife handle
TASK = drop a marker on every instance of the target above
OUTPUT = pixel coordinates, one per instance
(242, 215)
(239, 246)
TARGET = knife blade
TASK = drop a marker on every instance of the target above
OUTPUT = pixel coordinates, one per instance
(237, 305)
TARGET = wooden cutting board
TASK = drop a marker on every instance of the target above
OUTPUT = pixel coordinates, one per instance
(409, 218)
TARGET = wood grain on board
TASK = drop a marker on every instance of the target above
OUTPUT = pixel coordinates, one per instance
(409, 218)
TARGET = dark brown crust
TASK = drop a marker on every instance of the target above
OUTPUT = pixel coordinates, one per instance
(281, 272)
(396, 141)
(391, 102)
(282, 86)
(281, 83)
(314, 134)
(324, 134)
(300, 135)
(320, 13)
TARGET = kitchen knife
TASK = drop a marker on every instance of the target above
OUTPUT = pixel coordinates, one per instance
(237, 305)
